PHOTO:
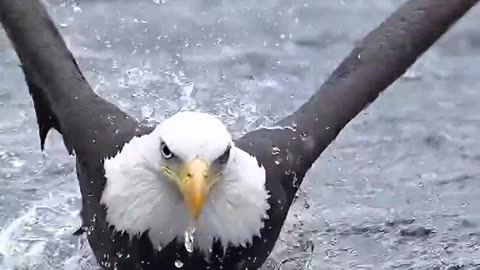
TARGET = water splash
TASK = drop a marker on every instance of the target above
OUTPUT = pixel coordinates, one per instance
(21, 243)
(295, 182)
(178, 264)
(292, 127)
(189, 238)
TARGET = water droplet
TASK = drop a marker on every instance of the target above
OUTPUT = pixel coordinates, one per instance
(295, 179)
(275, 150)
(76, 8)
(90, 229)
(189, 238)
(178, 264)
(294, 126)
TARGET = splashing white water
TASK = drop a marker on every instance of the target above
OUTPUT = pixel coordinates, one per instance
(189, 238)
(178, 264)
(22, 245)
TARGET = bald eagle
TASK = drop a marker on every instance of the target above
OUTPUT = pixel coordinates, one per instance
(184, 194)
(186, 172)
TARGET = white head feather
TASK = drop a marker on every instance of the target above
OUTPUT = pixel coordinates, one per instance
(139, 198)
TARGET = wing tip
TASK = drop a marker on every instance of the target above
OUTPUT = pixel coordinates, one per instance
(42, 132)
(46, 119)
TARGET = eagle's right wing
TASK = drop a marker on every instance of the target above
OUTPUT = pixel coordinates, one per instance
(63, 99)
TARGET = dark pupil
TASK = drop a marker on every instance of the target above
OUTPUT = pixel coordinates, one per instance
(166, 151)
(224, 157)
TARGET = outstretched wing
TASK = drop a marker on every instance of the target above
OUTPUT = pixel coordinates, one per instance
(375, 63)
(62, 98)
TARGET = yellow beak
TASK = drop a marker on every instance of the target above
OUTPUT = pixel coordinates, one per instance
(194, 185)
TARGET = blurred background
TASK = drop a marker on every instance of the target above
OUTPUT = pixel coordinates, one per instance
(398, 189)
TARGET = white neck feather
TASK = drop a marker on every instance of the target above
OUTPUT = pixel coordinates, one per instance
(138, 198)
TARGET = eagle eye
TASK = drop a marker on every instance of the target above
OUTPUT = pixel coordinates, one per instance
(166, 153)
(224, 157)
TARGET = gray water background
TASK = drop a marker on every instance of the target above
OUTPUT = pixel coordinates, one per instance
(398, 189)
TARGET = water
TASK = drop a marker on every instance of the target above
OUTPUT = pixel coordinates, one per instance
(178, 264)
(189, 239)
(397, 190)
